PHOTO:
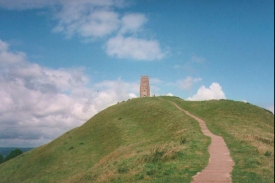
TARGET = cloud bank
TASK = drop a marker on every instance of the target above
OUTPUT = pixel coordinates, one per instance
(38, 104)
(213, 92)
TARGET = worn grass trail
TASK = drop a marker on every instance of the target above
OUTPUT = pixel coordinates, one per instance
(220, 162)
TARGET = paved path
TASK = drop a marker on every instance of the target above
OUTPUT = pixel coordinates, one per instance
(220, 163)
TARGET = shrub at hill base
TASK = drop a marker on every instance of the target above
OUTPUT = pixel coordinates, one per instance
(1, 158)
(12, 154)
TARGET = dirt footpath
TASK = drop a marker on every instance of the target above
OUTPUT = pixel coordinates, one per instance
(220, 162)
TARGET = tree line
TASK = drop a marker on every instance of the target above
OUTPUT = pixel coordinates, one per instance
(11, 155)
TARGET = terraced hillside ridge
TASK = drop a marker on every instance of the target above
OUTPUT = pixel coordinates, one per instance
(248, 131)
(147, 140)
(140, 140)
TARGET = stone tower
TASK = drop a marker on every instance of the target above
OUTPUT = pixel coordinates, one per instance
(144, 86)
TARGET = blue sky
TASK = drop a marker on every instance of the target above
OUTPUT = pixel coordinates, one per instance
(63, 61)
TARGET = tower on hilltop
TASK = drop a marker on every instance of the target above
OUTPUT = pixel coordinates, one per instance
(144, 86)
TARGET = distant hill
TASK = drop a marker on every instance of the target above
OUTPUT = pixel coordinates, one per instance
(6, 150)
(149, 140)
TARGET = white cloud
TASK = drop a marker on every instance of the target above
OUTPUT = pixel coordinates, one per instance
(8, 57)
(94, 19)
(38, 104)
(132, 22)
(134, 48)
(132, 95)
(88, 19)
(188, 82)
(97, 23)
(169, 94)
(85, 18)
(3, 46)
(213, 92)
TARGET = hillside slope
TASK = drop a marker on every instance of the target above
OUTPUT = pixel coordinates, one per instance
(149, 140)
(141, 140)
(248, 131)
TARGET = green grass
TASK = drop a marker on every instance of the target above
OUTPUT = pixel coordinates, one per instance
(141, 140)
(248, 131)
(150, 140)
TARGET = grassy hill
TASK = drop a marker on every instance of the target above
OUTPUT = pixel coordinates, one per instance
(248, 131)
(149, 140)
